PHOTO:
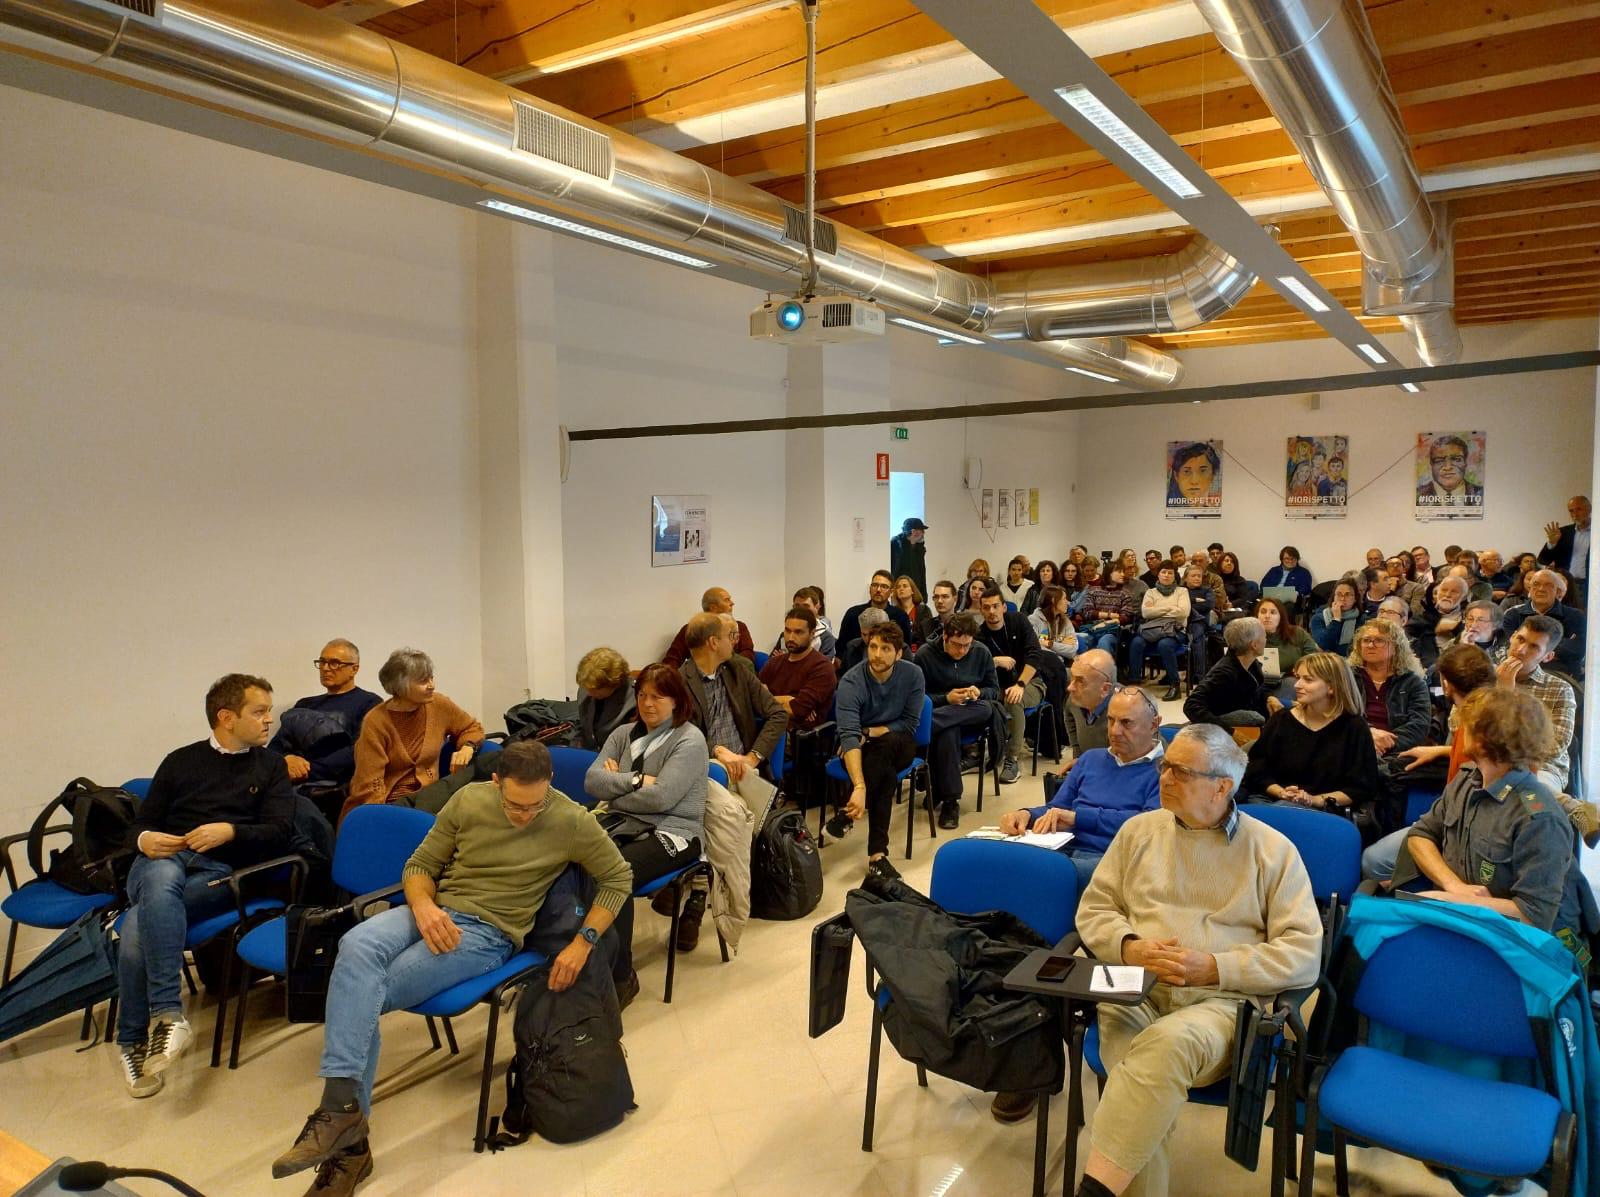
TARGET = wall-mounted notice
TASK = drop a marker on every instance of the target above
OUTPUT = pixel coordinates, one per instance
(1316, 476)
(987, 518)
(1020, 507)
(1004, 518)
(1450, 475)
(1194, 479)
(679, 531)
(1033, 504)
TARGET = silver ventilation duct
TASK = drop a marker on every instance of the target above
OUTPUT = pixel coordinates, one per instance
(1316, 64)
(290, 65)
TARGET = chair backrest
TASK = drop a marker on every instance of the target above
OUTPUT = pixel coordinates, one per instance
(1419, 800)
(374, 843)
(1168, 731)
(570, 766)
(1039, 887)
(717, 773)
(777, 762)
(489, 748)
(1329, 846)
(1287, 595)
(761, 661)
(924, 733)
(1444, 987)
(139, 787)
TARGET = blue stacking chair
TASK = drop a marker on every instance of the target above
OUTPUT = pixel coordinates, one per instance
(1329, 846)
(1457, 994)
(924, 737)
(1046, 711)
(374, 843)
(1419, 800)
(678, 883)
(761, 661)
(971, 876)
(570, 766)
(40, 902)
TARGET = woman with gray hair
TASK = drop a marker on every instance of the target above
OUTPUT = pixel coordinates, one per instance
(398, 752)
(1234, 692)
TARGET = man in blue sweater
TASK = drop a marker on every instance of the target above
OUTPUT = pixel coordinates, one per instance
(310, 752)
(1106, 788)
(876, 709)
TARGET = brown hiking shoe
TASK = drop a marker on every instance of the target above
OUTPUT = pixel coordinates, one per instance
(689, 921)
(339, 1176)
(325, 1134)
(1012, 1107)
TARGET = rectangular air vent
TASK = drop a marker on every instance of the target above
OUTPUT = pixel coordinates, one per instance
(837, 315)
(559, 140)
(794, 229)
(150, 9)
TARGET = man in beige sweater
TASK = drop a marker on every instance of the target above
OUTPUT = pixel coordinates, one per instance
(1219, 907)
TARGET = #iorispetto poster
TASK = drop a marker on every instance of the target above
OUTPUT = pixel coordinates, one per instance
(678, 530)
(1316, 479)
(1449, 475)
(1194, 479)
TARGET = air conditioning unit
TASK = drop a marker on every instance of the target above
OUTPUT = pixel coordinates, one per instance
(819, 320)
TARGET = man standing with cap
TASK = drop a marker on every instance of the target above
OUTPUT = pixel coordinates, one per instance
(908, 555)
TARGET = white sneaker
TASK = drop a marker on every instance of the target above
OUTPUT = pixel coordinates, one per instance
(141, 1082)
(170, 1036)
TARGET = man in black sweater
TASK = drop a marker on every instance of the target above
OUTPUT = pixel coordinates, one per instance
(959, 677)
(1011, 641)
(311, 750)
(216, 805)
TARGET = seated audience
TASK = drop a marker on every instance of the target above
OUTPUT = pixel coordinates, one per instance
(1333, 627)
(1318, 753)
(607, 702)
(1011, 642)
(810, 597)
(1286, 641)
(1018, 587)
(1534, 644)
(737, 715)
(972, 594)
(1044, 574)
(650, 778)
(1053, 625)
(1394, 695)
(1399, 568)
(879, 592)
(1106, 608)
(1421, 566)
(1130, 575)
(1526, 566)
(877, 708)
(1234, 691)
(715, 601)
(1106, 788)
(321, 747)
(1177, 556)
(1289, 572)
(1480, 625)
(944, 603)
(215, 805)
(1543, 599)
(1202, 605)
(1493, 568)
(1234, 584)
(1219, 592)
(1219, 906)
(1436, 618)
(1497, 837)
(1091, 571)
(401, 738)
(1071, 578)
(1164, 625)
(1090, 683)
(978, 571)
(473, 888)
(1152, 564)
(1375, 559)
(959, 676)
(800, 679)
(1466, 567)
(1395, 610)
(1214, 552)
(908, 599)
(1377, 585)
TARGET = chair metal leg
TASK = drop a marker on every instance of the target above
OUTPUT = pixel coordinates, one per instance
(111, 1018)
(11, 953)
(927, 788)
(433, 1031)
(88, 1021)
(1561, 1152)
(480, 1135)
(450, 1037)
(911, 815)
(228, 963)
(672, 939)
(188, 978)
(1341, 1165)
(1308, 1136)
(983, 752)
(238, 1014)
(1041, 1139)
(1069, 1160)
(872, 1078)
(922, 1076)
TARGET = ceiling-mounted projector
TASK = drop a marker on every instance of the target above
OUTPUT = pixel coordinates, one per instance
(818, 320)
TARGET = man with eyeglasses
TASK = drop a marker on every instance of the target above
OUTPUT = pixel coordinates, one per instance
(312, 748)
(959, 676)
(1449, 484)
(473, 888)
(1219, 907)
(1544, 598)
(1090, 681)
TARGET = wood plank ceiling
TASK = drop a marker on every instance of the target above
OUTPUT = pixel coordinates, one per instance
(921, 146)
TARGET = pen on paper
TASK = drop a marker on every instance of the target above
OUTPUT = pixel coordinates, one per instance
(1106, 972)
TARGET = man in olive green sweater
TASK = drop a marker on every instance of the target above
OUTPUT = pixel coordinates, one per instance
(472, 890)
(1218, 905)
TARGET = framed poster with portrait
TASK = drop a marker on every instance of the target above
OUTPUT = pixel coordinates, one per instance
(1194, 479)
(1449, 475)
(1316, 476)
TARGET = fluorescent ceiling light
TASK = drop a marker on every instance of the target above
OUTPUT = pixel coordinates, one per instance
(1303, 293)
(1091, 374)
(1015, 334)
(905, 322)
(1410, 386)
(1087, 104)
(1372, 354)
(583, 230)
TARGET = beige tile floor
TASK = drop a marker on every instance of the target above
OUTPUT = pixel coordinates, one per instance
(733, 1096)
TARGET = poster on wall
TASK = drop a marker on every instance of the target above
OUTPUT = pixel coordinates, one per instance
(1316, 476)
(1004, 518)
(1020, 508)
(1194, 480)
(988, 509)
(1033, 504)
(679, 534)
(1449, 475)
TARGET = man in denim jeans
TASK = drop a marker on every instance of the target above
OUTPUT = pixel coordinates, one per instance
(214, 805)
(472, 889)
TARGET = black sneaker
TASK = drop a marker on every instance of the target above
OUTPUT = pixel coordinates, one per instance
(882, 869)
(1173, 693)
(837, 827)
(949, 814)
(627, 990)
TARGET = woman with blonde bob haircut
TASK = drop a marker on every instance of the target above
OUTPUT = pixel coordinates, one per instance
(1318, 753)
(607, 702)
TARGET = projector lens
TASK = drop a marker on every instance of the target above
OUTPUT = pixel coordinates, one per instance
(791, 316)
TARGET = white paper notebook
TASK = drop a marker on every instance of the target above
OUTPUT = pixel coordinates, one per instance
(1050, 839)
(1116, 978)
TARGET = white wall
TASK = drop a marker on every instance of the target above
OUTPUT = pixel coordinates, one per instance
(1539, 426)
(236, 423)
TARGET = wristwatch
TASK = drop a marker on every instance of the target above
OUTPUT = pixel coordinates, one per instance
(590, 936)
(638, 780)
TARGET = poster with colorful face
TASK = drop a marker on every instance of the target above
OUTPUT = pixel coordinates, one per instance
(1449, 475)
(1316, 477)
(1194, 479)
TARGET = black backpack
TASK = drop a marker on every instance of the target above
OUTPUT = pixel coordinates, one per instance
(785, 869)
(569, 1080)
(98, 858)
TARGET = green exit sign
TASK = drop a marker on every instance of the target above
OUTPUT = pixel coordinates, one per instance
(902, 433)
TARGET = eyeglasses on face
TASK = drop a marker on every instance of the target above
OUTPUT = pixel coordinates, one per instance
(1183, 772)
(330, 663)
(1150, 703)
(517, 808)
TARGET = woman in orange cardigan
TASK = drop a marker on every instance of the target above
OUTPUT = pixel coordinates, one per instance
(398, 751)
